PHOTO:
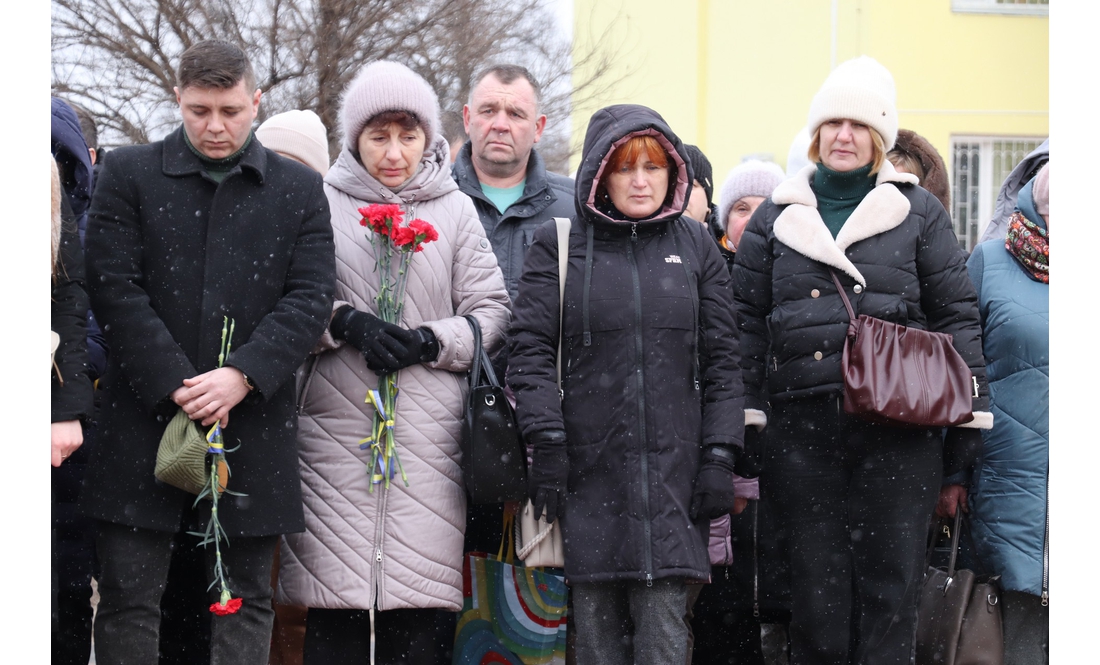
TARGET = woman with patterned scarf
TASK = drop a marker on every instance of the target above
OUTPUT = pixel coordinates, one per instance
(1008, 496)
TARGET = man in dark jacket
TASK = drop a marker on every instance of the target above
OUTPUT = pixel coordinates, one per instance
(184, 233)
(500, 169)
(514, 194)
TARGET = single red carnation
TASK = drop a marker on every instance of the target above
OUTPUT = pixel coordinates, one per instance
(230, 607)
(425, 232)
(403, 236)
(381, 217)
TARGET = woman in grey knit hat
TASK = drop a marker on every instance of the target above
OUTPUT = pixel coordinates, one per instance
(380, 563)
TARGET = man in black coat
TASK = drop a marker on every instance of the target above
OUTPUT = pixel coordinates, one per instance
(204, 225)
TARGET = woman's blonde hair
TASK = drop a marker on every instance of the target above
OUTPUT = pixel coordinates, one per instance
(878, 149)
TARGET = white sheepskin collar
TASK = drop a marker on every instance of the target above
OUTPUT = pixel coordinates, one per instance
(801, 228)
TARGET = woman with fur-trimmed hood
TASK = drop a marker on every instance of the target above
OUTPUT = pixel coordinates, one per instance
(636, 454)
(855, 497)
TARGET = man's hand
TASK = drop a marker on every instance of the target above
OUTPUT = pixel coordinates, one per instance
(65, 438)
(951, 496)
(209, 397)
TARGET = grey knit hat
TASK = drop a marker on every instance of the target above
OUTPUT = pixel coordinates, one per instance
(859, 89)
(299, 134)
(751, 178)
(387, 86)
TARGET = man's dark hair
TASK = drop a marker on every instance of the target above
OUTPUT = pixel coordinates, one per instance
(508, 73)
(454, 129)
(87, 126)
(215, 64)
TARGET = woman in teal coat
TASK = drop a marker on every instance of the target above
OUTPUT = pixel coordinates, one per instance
(1008, 496)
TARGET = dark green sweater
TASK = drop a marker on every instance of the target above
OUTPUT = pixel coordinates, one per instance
(218, 168)
(839, 193)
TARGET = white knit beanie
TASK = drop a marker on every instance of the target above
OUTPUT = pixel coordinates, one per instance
(387, 86)
(300, 134)
(751, 178)
(859, 89)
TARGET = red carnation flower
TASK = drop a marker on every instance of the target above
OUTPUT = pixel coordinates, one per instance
(230, 607)
(403, 237)
(381, 217)
(425, 233)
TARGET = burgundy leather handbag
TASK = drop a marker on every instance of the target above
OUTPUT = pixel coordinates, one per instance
(896, 375)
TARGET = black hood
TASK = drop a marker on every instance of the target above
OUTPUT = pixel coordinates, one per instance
(71, 153)
(609, 128)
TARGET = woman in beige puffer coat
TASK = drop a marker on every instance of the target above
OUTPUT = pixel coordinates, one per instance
(396, 550)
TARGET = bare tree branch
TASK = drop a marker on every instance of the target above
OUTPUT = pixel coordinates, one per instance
(117, 57)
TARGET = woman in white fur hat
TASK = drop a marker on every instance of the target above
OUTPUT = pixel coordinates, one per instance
(854, 496)
(382, 562)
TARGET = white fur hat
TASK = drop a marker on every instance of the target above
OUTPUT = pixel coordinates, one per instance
(859, 89)
(387, 86)
(751, 178)
(299, 134)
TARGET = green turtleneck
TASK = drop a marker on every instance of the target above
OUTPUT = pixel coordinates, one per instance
(838, 193)
(218, 168)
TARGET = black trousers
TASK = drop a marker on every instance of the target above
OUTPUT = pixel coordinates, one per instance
(855, 499)
(134, 567)
(73, 559)
(402, 637)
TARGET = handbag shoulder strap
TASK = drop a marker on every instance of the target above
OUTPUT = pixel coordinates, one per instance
(932, 536)
(844, 296)
(954, 543)
(481, 364)
(563, 225)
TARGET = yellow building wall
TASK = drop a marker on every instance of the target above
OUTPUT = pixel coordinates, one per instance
(736, 76)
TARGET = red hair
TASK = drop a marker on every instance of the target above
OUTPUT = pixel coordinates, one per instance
(632, 150)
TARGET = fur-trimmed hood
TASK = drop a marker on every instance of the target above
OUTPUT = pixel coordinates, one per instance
(609, 128)
(801, 228)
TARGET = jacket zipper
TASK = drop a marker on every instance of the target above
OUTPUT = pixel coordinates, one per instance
(1046, 548)
(380, 529)
(640, 373)
(755, 561)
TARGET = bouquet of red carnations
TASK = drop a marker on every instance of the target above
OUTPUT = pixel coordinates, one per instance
(392, 238)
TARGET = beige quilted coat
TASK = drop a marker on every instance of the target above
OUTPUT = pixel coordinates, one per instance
(401, 547)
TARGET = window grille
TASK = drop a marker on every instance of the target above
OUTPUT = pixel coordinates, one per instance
(1026, 7)
(979, 166)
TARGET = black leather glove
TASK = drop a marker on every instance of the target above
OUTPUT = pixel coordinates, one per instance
(713, 496)
(549, 473)
(750, 463)
(385, 346)
(962, 446)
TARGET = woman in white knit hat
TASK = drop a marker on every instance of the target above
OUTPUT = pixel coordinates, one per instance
(298, 135)
(855, 497)
(379, 560)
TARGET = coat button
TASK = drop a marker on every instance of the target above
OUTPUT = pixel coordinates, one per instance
(858, 288)
(817, 355)
(815, 293)
(484, 243)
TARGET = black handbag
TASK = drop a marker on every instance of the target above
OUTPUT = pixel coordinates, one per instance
(494, 460)
(959, 616)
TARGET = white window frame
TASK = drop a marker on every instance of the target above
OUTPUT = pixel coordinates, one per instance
(987, 188)
(1028, 8)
